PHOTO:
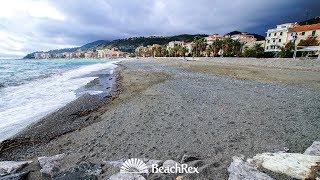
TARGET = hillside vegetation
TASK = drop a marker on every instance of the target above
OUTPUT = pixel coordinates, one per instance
(314, 20)
(130, 44)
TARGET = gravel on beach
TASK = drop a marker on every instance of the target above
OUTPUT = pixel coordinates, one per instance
(164, 112)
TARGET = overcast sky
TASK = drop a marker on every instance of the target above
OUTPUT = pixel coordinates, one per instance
(39, 25)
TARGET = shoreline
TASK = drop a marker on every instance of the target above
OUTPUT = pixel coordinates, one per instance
(81, 112)
(164, 110)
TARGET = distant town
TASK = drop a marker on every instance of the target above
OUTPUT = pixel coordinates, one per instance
(104, 53)
(281, 41)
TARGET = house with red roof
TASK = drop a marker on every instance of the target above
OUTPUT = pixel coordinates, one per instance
(299, 33)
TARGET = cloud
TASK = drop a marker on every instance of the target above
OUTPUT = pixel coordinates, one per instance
(31, 25)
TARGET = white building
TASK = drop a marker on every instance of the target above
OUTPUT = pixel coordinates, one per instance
(188, 46)
(278, 37)
(173, 43)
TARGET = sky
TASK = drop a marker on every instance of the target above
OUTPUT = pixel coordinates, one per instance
(40, 25)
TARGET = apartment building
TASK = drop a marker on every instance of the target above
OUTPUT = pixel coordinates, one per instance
(243, 37)
(278, 37)
(212, 38)
(173, 43)
(299, 33)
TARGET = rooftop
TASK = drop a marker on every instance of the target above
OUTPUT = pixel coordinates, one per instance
(306, 28)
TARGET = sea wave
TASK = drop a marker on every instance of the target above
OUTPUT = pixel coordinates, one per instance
(24, 104)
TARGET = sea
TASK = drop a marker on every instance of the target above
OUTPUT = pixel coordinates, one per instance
(32, 89)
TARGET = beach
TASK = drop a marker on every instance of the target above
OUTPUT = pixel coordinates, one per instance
(166, 107)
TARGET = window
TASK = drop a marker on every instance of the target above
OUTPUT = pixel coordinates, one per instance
(274, 40)
(303, 33)
(275, 34)
(269, 34)
(281, 33)
(313, 33)
(279, 40)
(267, 47)
(268, 41)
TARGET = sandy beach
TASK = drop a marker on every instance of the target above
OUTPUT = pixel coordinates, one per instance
(163, 108)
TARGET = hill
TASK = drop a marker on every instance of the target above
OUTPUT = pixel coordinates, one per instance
(84, 47)
(314, 20)
(130, 44)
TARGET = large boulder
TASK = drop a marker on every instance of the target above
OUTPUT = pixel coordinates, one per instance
(117, 163)
(10, 167)
(87, 170)
(314, 149)
(50, 166)
(299, 166)
(16, 176)
(240, 169)
(126, 176)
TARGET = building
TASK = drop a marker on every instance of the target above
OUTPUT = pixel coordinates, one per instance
(174, 43)
(103, 53)
(278, 37)
(89, 54)
(212, 38)
(42, 55)
(188, 46)
(67, 55)
(243, 38)
(299, 33)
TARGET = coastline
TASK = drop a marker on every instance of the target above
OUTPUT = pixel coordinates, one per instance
(79, 113)
(162, 109)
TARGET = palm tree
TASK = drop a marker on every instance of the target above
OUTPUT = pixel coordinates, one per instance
(227, 46)
(182, 51)
(156, 51)
(199, 46)
(237, 46)
(209, 50)
(216, 46)
(164, 52)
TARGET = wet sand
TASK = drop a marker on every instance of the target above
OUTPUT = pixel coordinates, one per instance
(164, 108)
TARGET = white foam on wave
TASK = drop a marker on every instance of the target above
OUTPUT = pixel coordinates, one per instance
(22, 105)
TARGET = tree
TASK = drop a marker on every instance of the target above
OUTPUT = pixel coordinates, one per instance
(156, 51)
(182, 51)
(209, 50)
(199, 46)
(231, 47)
(164, 52)
(310, 41)
(287, 50)
(216, 46)
(256, 51)
(236, 48)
